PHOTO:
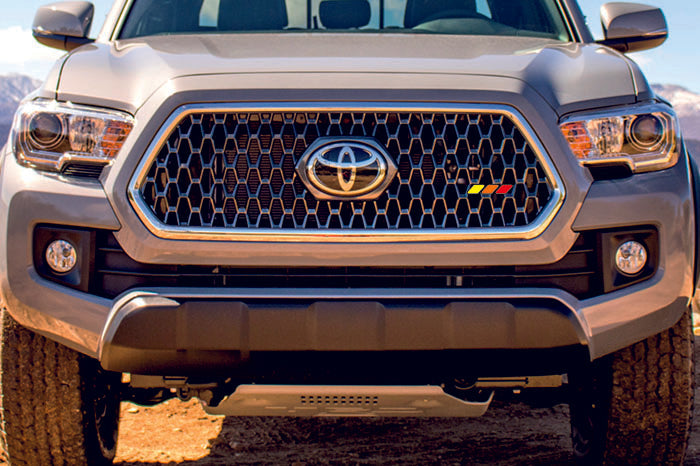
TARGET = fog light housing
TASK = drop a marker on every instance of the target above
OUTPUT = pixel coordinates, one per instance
(631, 258)
(61, 256)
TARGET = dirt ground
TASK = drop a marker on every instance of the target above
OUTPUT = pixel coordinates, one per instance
(181, 433)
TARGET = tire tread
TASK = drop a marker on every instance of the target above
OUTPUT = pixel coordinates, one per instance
(42, 411)
(651, 399)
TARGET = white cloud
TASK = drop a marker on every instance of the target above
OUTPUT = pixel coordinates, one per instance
(23, 54)
(642, 59)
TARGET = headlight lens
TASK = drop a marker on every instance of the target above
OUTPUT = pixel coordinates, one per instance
(49, 134)
(645, 140)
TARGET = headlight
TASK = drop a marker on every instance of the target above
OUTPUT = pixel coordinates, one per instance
(647, 139)
(49, 134)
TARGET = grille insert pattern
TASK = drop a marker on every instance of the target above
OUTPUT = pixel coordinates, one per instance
(237, 170)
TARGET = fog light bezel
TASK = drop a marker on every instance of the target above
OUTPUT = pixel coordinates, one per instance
(610, 241)
(84, 243)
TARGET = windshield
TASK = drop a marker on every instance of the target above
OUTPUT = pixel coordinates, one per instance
(534, 18)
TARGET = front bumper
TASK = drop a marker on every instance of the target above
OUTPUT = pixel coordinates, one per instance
(152, 330)
(167, 332)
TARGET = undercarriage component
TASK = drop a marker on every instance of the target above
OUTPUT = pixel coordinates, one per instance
(342, 401)
(545, 381)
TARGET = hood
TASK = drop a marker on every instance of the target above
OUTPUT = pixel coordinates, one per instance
(123, 74)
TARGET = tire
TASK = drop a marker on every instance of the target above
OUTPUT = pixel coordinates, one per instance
(58, 406)
(636, 405)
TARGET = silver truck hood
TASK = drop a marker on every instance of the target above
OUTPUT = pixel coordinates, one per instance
(124, 74)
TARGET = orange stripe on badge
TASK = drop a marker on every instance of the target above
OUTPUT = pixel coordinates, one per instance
(490, 189)
(504, 189)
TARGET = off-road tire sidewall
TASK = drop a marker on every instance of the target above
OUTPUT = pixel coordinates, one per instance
(636, 405)
(58, 406)
(101, 409)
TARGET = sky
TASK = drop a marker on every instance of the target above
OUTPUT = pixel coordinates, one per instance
(675, 62)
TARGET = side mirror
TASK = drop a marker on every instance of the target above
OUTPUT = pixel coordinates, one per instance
(63, 25)
(632, 27)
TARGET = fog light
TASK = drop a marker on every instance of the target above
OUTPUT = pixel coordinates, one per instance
(61, 256)
(631, 257)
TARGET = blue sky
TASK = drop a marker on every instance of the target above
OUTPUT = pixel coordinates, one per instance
(676, 62)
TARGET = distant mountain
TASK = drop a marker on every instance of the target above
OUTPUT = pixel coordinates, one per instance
(4, 133)
(693, 147)
(687, 106)
(13, 88)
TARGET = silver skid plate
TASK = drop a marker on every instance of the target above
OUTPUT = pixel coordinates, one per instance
(341, 401)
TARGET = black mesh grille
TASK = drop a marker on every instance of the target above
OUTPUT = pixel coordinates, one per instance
(455, 170)
(578, 273)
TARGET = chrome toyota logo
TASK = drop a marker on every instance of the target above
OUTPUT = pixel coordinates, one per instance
(354, 168)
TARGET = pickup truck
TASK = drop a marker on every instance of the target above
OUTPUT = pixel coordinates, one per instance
(347, 208)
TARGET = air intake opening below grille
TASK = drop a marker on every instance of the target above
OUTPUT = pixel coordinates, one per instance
(577, 273)
(85, 170)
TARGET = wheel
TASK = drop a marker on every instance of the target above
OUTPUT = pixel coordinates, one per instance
(58, 406)
(636, 405)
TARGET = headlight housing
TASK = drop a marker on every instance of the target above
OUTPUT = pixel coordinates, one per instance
(645, 139)
(48, 135)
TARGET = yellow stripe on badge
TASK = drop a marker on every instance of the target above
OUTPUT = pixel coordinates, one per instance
(476, 189)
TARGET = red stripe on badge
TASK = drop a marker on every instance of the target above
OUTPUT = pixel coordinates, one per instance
(504, 189)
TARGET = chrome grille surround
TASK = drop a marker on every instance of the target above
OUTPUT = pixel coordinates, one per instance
(145, 174)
